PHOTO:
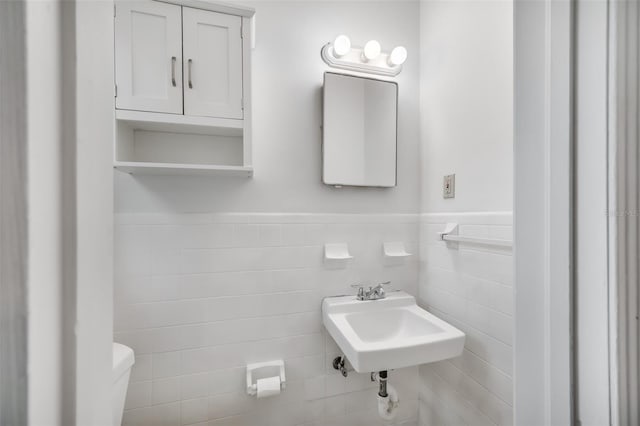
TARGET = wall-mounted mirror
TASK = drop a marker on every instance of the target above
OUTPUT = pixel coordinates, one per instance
(359, 131)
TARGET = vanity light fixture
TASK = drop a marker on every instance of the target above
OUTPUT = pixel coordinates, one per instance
(369, 59)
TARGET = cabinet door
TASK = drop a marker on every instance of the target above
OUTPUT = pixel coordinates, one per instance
(212, 45)
(148, 58)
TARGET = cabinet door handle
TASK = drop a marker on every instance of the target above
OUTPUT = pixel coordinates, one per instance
(173, 71)
(189, 63)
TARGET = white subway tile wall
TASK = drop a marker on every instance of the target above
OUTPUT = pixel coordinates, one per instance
(471, 287)
(198, 296)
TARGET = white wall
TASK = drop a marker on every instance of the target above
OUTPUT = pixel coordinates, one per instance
(70, 197)
(94, 206)
(591, 228)
(624, 211)
(470, 287)
(45, 212)
(466, 113)
(169, 275)
(14, 226)
(542, 207)
(199, 296)
(287, 83)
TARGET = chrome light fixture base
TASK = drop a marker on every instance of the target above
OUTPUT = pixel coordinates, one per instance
(353, 61)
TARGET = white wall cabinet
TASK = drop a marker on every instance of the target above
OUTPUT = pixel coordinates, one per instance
(183, 87)
(213, 64)
(149, 56)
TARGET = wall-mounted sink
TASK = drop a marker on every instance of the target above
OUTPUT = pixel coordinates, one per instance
(389, 333)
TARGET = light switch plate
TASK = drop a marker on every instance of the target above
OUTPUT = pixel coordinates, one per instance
(449, 186)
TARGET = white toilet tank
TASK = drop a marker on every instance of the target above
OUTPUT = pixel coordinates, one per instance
(123, 360)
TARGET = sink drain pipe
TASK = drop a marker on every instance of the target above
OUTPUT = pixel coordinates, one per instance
(382, 380)
(388, 400)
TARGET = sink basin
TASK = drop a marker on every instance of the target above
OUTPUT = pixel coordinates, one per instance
(389, 333)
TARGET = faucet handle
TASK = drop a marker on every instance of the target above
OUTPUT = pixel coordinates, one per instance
(360, 288)
(379, 292)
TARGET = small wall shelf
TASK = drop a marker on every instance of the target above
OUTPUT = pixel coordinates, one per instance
(395, 249)
(168, 144)
(337, 252)
(161, 122)
(143, 168)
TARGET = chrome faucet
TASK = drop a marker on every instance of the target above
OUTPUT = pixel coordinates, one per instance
(373, 293)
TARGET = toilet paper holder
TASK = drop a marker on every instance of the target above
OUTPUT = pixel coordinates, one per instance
(252, 388)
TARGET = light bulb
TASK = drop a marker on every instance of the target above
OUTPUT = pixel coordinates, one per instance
(341, 45)
(371, 50)
(398, 56)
